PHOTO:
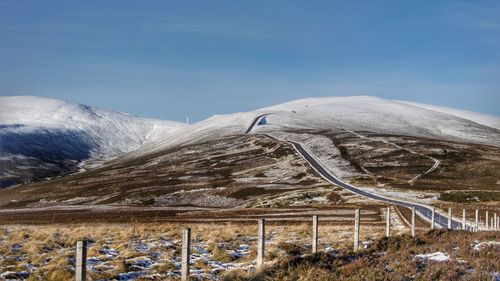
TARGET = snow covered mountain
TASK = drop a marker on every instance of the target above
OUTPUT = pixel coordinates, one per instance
(372, 114)
(356, 113)
(42, 137)
(226, 160)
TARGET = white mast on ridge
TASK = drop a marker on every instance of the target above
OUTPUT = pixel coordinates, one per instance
(187, 120)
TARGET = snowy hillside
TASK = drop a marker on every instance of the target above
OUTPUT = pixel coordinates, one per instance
(480, 118)
(371, 114)
(52, 134)
(357, 113)
(42, 134)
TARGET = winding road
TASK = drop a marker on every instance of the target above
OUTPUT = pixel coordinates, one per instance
(422, 210)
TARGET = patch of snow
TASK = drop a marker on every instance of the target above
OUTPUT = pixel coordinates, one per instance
(482, 245)
(140, 262)
(437, 256)
(110, 252)
(325, 151)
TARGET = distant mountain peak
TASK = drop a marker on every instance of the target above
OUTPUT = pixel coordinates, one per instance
(54, 133)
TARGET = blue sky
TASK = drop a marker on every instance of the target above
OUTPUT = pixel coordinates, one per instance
(169, 59)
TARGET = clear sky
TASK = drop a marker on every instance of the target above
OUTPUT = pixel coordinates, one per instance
(169, 59)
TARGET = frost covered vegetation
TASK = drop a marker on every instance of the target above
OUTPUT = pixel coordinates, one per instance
(226, 172)
(227, 251)
(152, 252)
(470, 196)
(435, 255)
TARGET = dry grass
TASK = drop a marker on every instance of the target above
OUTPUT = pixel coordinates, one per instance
(50, 249)
(393, 259)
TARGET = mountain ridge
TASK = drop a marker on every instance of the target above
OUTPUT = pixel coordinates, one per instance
(43, 137)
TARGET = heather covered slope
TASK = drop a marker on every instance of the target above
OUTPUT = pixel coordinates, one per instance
(435, 255)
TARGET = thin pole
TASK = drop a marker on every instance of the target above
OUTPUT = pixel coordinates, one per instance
(413, 221)
(356, 229)
(315, 235)
(486, 221)
(433, 217)
(495, 221)
(261, 243)
(81, 261)
(186, 253)
(388, 223)
(476, 220)
(449, 218)
(464, 226)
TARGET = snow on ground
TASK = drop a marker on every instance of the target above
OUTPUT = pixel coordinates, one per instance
(413, 195)
(215, 127)
(358, 113)
(480, 118)
(325, 150)
(118, 132)
(37, 132)
(484, 245)
(437, 256)
(364, 113)
(151, 255)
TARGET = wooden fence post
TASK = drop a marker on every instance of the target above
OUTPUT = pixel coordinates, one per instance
(413, 221)
(449, 218)
(81, 261)
(388, 223)
(261, 243)
(464, 220)
(476, 221)
(495, 221)
(486, 221)
(433, 217)
(356, 229)
(315, 235)
(186, 253)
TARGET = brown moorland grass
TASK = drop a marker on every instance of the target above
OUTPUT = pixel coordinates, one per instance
(393, 259)
(50, 249)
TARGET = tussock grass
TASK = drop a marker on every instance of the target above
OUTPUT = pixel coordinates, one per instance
(392, 259)
(52, 250)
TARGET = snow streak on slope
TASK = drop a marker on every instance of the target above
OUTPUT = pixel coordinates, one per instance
(42, 137)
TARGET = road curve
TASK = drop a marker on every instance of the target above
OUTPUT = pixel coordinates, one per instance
(423, 210)
(254, 122)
